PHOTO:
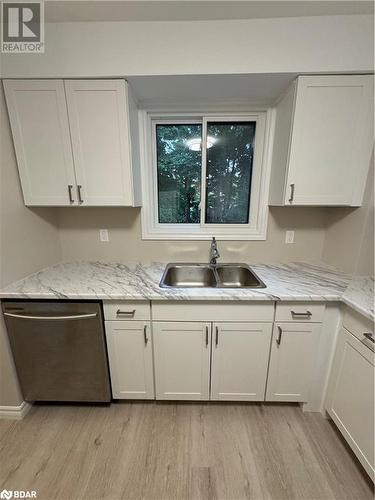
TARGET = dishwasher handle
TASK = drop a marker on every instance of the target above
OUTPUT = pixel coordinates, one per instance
(52, 318)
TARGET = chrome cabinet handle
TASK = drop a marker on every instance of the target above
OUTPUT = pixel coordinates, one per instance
(368, 340)
(217, 336)
(278, 340)
(145, 334)
(52, 318)
(206, 336)
(79, 187)
(291, 193)
(307, 313)
(125, 313)
(70, 187)
(369, 336)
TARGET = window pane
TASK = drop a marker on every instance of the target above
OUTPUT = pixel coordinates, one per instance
(230, 147)
(179, 172)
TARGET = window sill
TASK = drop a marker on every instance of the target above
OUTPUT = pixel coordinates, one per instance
(178, 233)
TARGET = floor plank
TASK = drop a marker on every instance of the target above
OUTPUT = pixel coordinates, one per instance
(178, 451)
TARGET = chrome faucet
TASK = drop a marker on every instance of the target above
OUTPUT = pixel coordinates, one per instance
(214, 252)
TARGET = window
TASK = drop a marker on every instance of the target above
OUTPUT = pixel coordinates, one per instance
(179, 164)
(204, 176)
(229, 169)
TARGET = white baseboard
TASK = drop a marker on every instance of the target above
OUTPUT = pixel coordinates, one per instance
(15, 412)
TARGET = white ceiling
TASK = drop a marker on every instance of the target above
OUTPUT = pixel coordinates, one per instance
(202, 89)
(186, 10)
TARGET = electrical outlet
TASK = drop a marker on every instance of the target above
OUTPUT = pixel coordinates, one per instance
(103, 235)
(289, 237)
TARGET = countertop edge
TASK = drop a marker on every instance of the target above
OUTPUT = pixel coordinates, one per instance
(312, 298)
(256, 298)
(361, 310)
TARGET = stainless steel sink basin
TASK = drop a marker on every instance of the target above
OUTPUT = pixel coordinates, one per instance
(188, 275)
(238, 276)
(206, 275)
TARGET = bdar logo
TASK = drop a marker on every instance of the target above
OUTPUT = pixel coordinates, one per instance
(17, 494)
(6, 494)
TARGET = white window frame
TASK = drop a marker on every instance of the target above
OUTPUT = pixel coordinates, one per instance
(256, 229)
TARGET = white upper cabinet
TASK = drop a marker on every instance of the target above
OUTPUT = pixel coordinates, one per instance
(323, 141)
(91, 124)
(100, 132)
(39, 121)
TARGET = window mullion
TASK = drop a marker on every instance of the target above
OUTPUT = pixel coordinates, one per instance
(203, 173)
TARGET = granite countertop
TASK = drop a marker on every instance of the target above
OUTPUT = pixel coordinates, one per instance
(99, 280)
(360, 295)
(115, 281)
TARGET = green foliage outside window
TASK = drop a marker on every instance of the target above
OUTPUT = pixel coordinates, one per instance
(179, 173)
(230, 148)
(229, 169)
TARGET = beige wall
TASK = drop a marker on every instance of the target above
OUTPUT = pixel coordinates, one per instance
(349, 243)
(365, 262)
(80, 239)
(28, 241)
(282, 45)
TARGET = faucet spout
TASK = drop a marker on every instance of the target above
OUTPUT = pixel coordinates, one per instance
(214, 252)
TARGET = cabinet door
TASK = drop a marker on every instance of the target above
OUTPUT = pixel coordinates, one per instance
(98, 116)
(331, 140)
(240, 353)
(293, 351)
(351, 396)
(39, 122)
(130, 359)
(182, 360)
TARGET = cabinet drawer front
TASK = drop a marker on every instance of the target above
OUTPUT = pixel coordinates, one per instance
(127, 310)
(213, 311)
(300, 311)
(357, 324)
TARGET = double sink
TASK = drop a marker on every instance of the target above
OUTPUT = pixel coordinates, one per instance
(210, 276)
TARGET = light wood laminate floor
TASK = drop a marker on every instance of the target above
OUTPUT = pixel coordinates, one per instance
(178, 451)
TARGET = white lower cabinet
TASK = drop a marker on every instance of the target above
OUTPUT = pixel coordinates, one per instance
(239, 358)
(182, 360)
(240, 354)
(201, 360)
(350, 400)
(130, 359)
(293, 353)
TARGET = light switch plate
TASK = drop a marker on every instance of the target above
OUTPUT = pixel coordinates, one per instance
(103, 235)
(289, 237)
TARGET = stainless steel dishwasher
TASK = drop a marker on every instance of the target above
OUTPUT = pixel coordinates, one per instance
(59, 350)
